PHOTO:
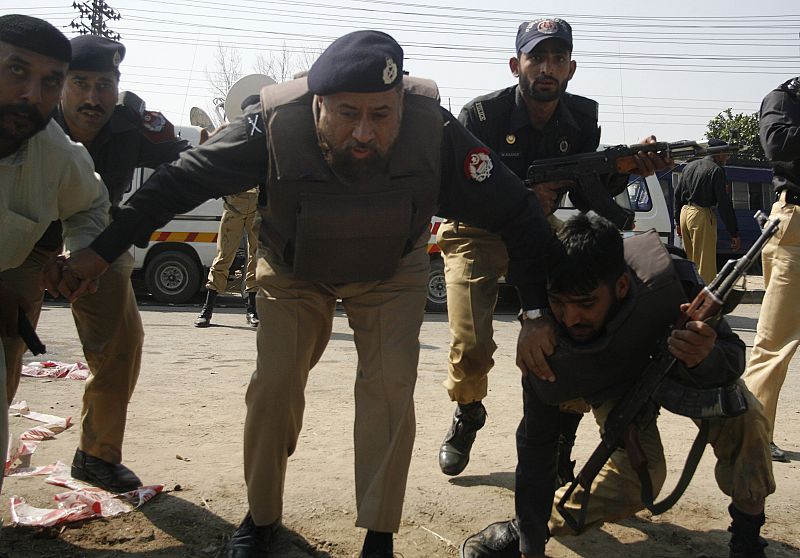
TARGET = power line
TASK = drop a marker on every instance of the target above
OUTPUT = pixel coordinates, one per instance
(97, 12)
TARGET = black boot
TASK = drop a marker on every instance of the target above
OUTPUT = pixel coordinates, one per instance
(498, 540)
(745, 539)
(377, 545)
(454, 452)
(568, 425)
(204, 319)
(251, 540)
(252, 313)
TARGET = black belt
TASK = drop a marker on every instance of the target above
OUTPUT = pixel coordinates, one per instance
(791, 196)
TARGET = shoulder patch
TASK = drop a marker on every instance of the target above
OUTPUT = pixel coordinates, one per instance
(255, 126)
(478, 164)
(156, 127)
(480, 112)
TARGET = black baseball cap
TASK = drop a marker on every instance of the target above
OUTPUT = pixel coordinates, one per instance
(531, 33)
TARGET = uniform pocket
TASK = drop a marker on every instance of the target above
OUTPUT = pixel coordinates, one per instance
(20, 234)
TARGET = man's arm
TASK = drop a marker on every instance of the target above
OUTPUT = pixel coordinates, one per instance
(230, 162)
(495, 199)
(152, 154)
(779, 126)
(707, 356)
(82, 202)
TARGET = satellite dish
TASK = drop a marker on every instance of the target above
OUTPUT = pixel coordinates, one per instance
(199, 117)
(239, 91)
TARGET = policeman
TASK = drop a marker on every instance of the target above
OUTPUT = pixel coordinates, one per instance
(535, 119)
(701, 187)
(239, 215)
(43, 176)
(356, 159)
(778, 330)
(612, 300)
(119, 139)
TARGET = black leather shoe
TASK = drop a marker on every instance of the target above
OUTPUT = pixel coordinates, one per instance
(251, 540)
(741, 548)
(498, 540)
(203, 320)
(252, 318)
(454, 453)
(114, 477)
(777, 453)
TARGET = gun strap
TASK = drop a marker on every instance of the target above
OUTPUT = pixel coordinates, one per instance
(692, 460)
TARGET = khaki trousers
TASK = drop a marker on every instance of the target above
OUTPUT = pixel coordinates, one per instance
(778, 330)
(111, 333)
(240, 215)
(385, 317)
(699, 234)
(474, 260)
(743, 470)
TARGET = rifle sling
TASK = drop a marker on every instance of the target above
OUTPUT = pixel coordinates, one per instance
(692, 460)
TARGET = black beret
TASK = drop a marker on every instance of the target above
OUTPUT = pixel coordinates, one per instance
(359, 62)
(250, 100)
(96, 54)
(716, 142)
(36, 35)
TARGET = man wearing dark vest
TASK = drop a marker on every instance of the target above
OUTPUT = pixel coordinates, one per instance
(356, 159)
(612, 301)
(534, 119)
(119, 139)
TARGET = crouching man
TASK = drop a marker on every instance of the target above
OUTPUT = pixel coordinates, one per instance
(612, 300)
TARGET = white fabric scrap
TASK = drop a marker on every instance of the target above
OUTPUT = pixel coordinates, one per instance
(55, 369)
(81, 504)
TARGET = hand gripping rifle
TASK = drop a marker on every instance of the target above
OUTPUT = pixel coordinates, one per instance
(636, 407)
(591, 173)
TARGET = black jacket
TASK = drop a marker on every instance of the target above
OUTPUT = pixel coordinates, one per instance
(779, 131)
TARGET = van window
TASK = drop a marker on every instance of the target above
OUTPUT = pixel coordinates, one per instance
(638, 194)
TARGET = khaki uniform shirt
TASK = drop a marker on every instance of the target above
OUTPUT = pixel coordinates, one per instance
(49, 178)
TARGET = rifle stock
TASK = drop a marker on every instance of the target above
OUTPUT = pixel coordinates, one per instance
(633, 406)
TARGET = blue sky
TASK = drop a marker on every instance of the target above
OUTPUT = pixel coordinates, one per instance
(665, 68)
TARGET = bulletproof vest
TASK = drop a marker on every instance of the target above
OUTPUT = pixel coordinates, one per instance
(605, 367)
(333, 231)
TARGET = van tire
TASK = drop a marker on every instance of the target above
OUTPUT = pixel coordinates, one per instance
(172, 277)
(436, 289)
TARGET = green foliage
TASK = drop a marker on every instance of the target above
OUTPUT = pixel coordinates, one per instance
(747, 124)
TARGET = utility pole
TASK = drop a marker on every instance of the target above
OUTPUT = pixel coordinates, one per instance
(95, 11)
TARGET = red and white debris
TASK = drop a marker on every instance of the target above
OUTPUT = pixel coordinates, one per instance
(54, 369)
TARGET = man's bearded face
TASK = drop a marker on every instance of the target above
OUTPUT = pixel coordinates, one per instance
(357, 131)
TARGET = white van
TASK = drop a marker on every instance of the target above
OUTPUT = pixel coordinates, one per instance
(174, 264)
(643, 195)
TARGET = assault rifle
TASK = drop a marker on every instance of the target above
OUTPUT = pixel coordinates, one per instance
(28, 334)
(636, 407)
(591, 173)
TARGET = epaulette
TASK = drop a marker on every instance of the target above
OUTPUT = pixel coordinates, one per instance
(583, 105)
(792, 87)
(480, 112)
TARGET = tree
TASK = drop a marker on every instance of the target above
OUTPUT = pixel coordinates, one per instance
(722, 126)
(227, 71)
(286, 63)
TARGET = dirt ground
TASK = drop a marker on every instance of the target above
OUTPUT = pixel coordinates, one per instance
(185, 431)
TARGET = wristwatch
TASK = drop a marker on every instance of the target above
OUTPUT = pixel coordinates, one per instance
(529, 314)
